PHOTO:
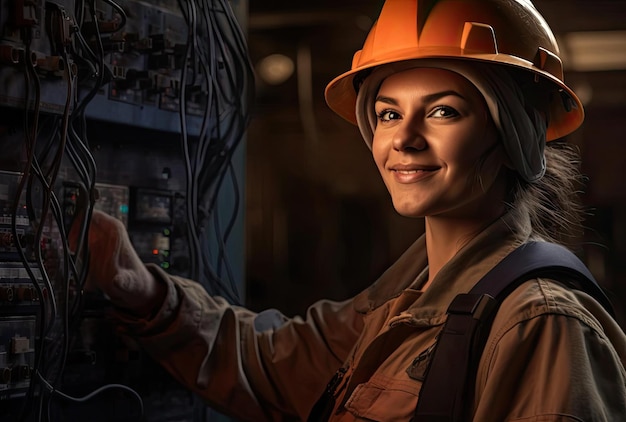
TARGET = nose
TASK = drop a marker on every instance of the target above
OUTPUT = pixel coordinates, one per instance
(409, 136)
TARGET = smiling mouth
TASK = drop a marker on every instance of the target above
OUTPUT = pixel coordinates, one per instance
(414, 171)
(407, 176)
(409, 171)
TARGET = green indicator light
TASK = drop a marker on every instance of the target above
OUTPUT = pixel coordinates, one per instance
(124, 209)
(167, 232)
(165, 265)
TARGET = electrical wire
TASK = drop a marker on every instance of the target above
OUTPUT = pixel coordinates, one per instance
(227, 78)
(194, 244)
(38, 220)
(216, 65)
(92, 395)
(69, 133)
(78, 152)
(231, 224)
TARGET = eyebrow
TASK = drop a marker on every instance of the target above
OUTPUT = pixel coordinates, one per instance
(426, 98)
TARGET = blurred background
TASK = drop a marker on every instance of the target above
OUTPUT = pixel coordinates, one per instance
(254, 188)
(318, 219)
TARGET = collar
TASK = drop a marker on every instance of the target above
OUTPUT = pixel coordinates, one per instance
(459, 275)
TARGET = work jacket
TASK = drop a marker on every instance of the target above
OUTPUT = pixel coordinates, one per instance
(553, 354)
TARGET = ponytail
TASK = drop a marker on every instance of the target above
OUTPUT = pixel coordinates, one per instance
(553, 202)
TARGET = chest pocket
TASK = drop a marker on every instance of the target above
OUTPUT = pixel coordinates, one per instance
(384, 399)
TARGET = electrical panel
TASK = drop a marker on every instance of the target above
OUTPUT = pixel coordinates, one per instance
(141, 69)
(134, 108)
(144, 66)
(17, 352)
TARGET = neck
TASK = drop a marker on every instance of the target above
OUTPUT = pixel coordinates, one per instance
(446, 236)
(447, 233)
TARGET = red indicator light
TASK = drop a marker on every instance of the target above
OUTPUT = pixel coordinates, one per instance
(155, 251)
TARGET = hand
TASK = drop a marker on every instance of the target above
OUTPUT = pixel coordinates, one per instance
(115, 268)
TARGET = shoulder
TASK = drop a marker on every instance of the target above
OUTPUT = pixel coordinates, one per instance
(544, 311)
(552, 351)
(540, 297)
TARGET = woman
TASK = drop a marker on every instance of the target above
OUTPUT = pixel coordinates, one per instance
(456, 99)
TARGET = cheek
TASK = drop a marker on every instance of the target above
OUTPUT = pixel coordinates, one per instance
(463, 156)
(379, 152)
(485, 168)
(475, 144)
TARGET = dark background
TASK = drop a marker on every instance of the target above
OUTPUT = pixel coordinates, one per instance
(311, 217)
(318, 219)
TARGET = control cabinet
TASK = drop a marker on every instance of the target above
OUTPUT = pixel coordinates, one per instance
(137, 109)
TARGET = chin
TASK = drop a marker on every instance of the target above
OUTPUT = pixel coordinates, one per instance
(406, 210)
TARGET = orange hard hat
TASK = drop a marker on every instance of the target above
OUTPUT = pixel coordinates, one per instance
(505, 32)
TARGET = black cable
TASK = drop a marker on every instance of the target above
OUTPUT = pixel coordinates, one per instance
(226, 107)
(30, 174)
(79, 11)
(194, 245)
(87, 397)
(68, 141)
(231, 223)
(48, 182)
(239, 121)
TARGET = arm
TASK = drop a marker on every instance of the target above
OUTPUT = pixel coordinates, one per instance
(227, 354)
(220, 351)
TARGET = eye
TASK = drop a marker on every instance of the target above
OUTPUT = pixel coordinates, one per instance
(443, 112)
(388, 115)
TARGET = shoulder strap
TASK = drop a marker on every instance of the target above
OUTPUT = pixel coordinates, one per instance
(540, 259)
(445, 390)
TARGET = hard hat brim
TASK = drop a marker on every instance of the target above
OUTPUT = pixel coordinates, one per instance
(566, 109)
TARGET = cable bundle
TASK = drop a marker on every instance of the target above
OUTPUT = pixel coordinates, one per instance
(216, 63)
(66, 137)
(217, 73)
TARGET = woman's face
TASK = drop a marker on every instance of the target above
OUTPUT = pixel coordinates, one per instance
(433, 130)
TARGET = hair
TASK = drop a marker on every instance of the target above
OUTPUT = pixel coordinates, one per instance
(554, 201)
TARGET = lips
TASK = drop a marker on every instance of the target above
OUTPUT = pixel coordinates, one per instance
(412, 173)
(412, 168)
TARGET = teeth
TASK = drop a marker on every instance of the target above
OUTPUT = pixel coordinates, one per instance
(407, 171)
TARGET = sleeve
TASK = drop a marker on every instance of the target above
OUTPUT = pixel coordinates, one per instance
(552, 365)
(254, 367)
